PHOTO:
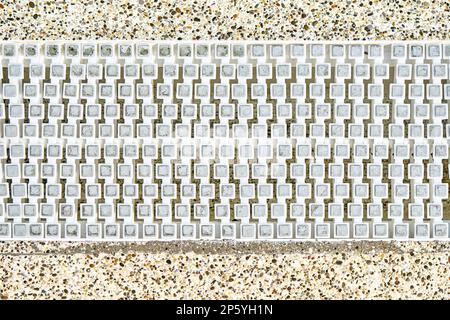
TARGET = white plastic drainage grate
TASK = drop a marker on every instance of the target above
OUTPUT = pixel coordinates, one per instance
(224, 140)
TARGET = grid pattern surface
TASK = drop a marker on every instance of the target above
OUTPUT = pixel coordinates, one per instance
(224, 140)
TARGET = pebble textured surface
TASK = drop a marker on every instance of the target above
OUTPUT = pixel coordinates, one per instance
(67, 270)
(225, 19)
(314, 270)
